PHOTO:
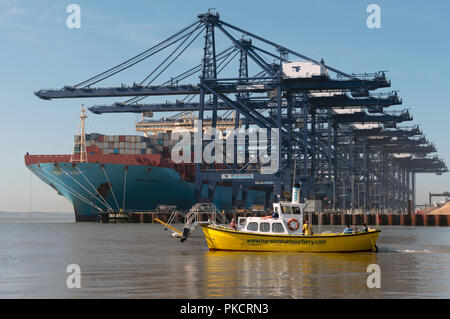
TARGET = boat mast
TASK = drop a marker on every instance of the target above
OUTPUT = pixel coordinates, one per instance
(79, 151)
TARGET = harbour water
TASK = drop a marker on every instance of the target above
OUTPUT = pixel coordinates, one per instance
(143, 261)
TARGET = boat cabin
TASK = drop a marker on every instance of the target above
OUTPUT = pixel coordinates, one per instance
(287, 219)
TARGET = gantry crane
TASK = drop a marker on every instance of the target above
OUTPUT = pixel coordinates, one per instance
(317, 143)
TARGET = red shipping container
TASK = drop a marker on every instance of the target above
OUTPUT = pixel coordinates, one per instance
(100, 138)
(90, 149)
(121, 138)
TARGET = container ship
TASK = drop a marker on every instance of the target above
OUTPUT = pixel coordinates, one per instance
(128, 172)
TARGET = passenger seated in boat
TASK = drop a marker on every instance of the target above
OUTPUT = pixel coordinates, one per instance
(275, 215)
(233, 224)
(306, 229)
(347, 230)
(364, 229)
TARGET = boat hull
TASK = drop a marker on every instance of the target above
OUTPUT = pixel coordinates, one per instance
(219, 238)
(126, 186)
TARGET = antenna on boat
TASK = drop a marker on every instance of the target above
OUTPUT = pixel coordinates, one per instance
(31, 190)
(295, 187)
(295, 170)
(79, 150)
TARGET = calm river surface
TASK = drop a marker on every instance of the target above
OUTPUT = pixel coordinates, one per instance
(143, 261)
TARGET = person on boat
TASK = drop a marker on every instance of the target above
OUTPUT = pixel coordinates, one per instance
(306, 229)
(364, 229)
(347, 230)
(275, 214)
(233, 224)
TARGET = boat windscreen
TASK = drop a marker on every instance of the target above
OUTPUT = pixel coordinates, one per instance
(286, 209)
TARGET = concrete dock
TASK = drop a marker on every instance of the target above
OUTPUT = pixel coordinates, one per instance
(317, 218)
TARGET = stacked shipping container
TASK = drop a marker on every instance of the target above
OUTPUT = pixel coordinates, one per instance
(128, 144)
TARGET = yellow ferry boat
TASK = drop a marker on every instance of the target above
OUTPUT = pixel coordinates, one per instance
(283, 232)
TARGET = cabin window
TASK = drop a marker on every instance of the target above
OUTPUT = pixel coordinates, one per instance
(242, 221)
(264, 227)
(277, 228)
(252, 226)
(296, 210)
(286, 209)
(277, 210)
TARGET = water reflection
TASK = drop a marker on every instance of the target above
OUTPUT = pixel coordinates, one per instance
(141, 261)
(259, 275)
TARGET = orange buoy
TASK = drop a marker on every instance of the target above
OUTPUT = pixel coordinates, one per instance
(293, 224)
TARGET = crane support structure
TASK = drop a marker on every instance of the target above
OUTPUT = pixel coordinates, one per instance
(329, 130)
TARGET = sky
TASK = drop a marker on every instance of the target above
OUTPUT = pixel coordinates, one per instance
(38, 50)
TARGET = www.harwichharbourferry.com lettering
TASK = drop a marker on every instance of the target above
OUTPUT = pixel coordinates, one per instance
(287, 241)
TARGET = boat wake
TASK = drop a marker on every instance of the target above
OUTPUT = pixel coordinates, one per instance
(415, 251)
(387, 249)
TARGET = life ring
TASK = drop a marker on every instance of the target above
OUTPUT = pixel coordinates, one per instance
(293, 220)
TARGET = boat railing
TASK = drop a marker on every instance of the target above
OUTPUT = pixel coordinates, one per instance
(215, 216)
(192, 218)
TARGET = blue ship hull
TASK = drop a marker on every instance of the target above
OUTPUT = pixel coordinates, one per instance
(133, 187)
